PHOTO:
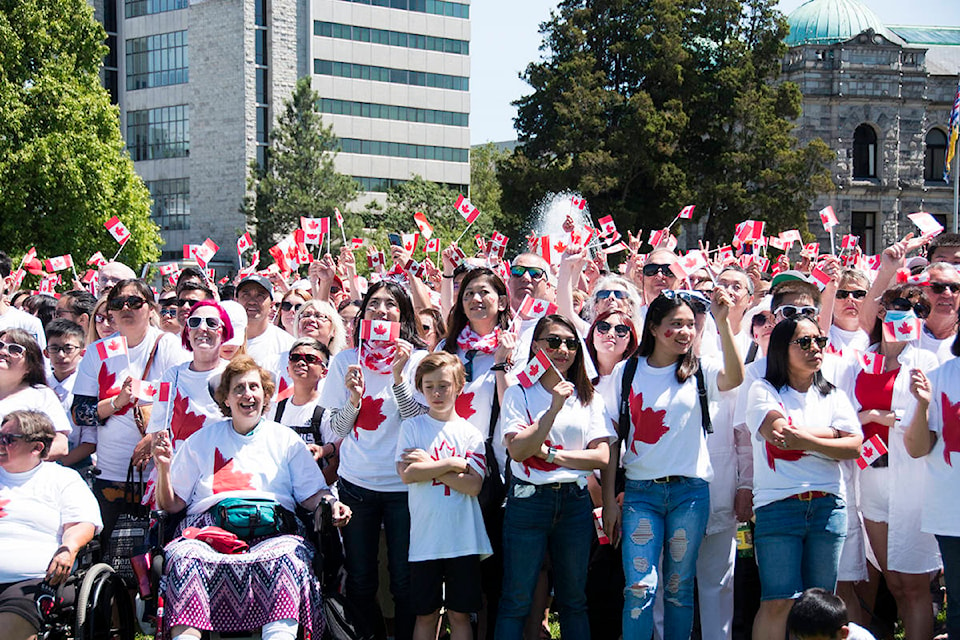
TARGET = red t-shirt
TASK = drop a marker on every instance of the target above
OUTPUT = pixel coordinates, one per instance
(875, 392)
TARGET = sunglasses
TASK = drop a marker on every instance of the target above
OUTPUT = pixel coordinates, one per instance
(536, 273)
(67, 349)
(603, 294)
(902, 304)
(554, 342)
(184, 302)
(194, 322)
(762, 319)
(807, 341)
(653, 269)
(789, 310)
(101, 319)
(287, 306)
(940, 287)
(858, 294)
(168, 302)
(133, 302)
(604, 327)
(12, 348)
(319, 317)
(6, 439)
(695, 299)
(308, 358)
(168, 313)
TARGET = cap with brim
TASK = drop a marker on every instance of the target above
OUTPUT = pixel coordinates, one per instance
(259, 280)
(792, 274)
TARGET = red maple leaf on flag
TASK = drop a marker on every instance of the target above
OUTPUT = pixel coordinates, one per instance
(464, 405)
(105, 381)
(534, 369)
(904, 328)
(3, 503)
(776, 453)
(533, 462)
(226, 477)
(538, 308)
(951, 427)
(184, 422)
(648, 424)
(868, 452)
(370, 417)
(380, 329)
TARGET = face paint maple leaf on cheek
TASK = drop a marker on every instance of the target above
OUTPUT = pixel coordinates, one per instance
(951, 427)
(648, 424)
(226, 477)
(184, 422)
(370, 417)
(464, 405)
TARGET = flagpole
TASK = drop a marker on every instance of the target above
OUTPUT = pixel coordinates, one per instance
(117, 254)
(457, 241)
(956, 185)
(833, 249)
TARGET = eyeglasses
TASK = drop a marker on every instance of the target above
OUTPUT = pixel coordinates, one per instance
(67, 349)
(287, 306)
(902, 304)
(762, 319)
(194, 322)
(15, 350)
(940, 287)
(554, 342)
(133, 302)
(536, 273)
(789, 310)
(652, 269)
(695, 299)
(101, 319)
(186, 302)
(319, 317)
(308, 358)
(168, 313)
(603, 294)
(858, 294)
(6, 439)
(807, 341)
(604, 327)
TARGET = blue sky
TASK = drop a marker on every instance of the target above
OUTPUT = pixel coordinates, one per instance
(505, 38)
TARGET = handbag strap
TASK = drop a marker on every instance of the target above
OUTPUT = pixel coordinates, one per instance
(704, 404)
(153, 353)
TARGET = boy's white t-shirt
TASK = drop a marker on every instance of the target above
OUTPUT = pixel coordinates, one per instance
(34, 506)
(444, 523)
(270, 462)
(575, 427)
(666, 436)
(779, 474)
(367, 453)
(299, 417)
(191, 405)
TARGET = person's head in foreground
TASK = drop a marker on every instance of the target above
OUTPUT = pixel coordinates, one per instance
(818, 615)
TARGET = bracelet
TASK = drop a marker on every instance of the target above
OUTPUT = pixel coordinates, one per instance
(450, 277)
(113, 404)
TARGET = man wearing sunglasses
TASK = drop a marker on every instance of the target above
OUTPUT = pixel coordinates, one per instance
(657, 275)
(530, 276)
(11, 317)
(191, 289)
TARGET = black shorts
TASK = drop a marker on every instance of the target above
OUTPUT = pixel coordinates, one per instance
(20, 598)
(451, 582)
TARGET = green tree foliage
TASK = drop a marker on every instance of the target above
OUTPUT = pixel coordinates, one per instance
(299, 178)
(64, 170)
(647, 106)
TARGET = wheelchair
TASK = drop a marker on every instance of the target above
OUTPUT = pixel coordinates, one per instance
(93, 604)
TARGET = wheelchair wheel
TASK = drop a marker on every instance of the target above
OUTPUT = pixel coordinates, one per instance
(104, 610)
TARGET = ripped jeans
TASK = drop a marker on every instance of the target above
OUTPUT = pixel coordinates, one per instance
(668, 518)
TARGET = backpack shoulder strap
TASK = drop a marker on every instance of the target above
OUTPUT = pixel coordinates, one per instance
(704, 403)
(315, 421)
(494, 415)
(623, 424)
(280, 407)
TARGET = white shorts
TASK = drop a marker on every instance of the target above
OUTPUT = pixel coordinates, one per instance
(875, 494)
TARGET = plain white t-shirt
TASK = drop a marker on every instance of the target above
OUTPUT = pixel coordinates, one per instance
(15, 318)
(38, 398)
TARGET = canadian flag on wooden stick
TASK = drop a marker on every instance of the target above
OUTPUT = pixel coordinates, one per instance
(871, 362)
(244, 242)
(119, 232)
(534, 369)
(97, 259)
(110, 347)
(59, 263)
(872, 450)
(532, 308)
(383, 330)
(466, 209)
(426, 229)
(204, 253)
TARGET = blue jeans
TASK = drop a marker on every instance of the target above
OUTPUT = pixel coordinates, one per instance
(667, 518)
(798, 545)
(361, 543)
(554, 518)
(950, 553)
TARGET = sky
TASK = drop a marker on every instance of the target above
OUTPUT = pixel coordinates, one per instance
(505, 38)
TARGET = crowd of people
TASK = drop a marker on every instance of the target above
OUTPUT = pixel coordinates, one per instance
(505, 437)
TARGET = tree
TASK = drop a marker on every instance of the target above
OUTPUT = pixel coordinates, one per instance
(64, 170)
(299, 178)
(647, 106)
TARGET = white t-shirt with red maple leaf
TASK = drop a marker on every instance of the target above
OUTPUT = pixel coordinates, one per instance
(444, 523)
(941, 510)
(191, 405)
(666, 436)
(269, 462)
(574, 428)
(367, 452)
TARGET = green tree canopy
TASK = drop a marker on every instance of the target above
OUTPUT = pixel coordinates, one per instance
(647, 106)
(299, 178)
(64, 170)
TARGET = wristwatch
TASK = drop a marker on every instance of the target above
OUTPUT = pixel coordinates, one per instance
(551, 454)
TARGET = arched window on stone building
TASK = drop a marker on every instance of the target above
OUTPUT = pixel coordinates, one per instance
(864, 152)
(934, 155)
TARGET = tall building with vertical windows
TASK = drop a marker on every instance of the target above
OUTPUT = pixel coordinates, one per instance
(199, 84)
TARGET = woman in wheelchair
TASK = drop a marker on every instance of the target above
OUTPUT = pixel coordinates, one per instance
(221, 470)
(47, 513)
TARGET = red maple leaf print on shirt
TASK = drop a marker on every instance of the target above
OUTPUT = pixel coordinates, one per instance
(776, 453)
(441, 453)
(648, 424)
(951, 427)
(184, 422)
(464, 405)
(370, 417)
(3, 503)
(226, 477)
(105, 381)
(533, 462)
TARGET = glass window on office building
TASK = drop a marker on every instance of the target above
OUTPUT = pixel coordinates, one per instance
(171, 203)
(164, 132)
(157, 61)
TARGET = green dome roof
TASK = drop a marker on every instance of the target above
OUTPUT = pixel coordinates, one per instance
(830, 21)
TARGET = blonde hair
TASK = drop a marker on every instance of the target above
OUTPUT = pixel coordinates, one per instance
(441, 360)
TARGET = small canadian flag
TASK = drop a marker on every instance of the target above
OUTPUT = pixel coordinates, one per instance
(607, 226)
(97, 259)
(425, 227)
(59, 263)
(534, 370)
(927, 224)
(820, 277)
(113, 346)
(376, 259)
(119, 232)
(578, 203)
(338, 216)
(243, 243)
(541, 247)
(687, 212)
(749, 231)
(810, 250)
(49, 284)
(872, 450)
(828, 218)
(791, 235)
(149, 391)
(498, 239)
(532, 308)
(871, 362)
(205, 252)
(905, 277)
(775, 242)
(688, 264)
(466, 209)
(410, 241)
(433, 244)
(356, 243)
(458, 257)
(167, 269)
(415, 269)
(315, 224)
(382, 330)
(902, 330)
(602, 537)
(850, 241)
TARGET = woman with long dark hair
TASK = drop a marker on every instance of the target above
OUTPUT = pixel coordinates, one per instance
(666, 500)
(556, 432)
(367, 402)
(612, 338)
(803, 427)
